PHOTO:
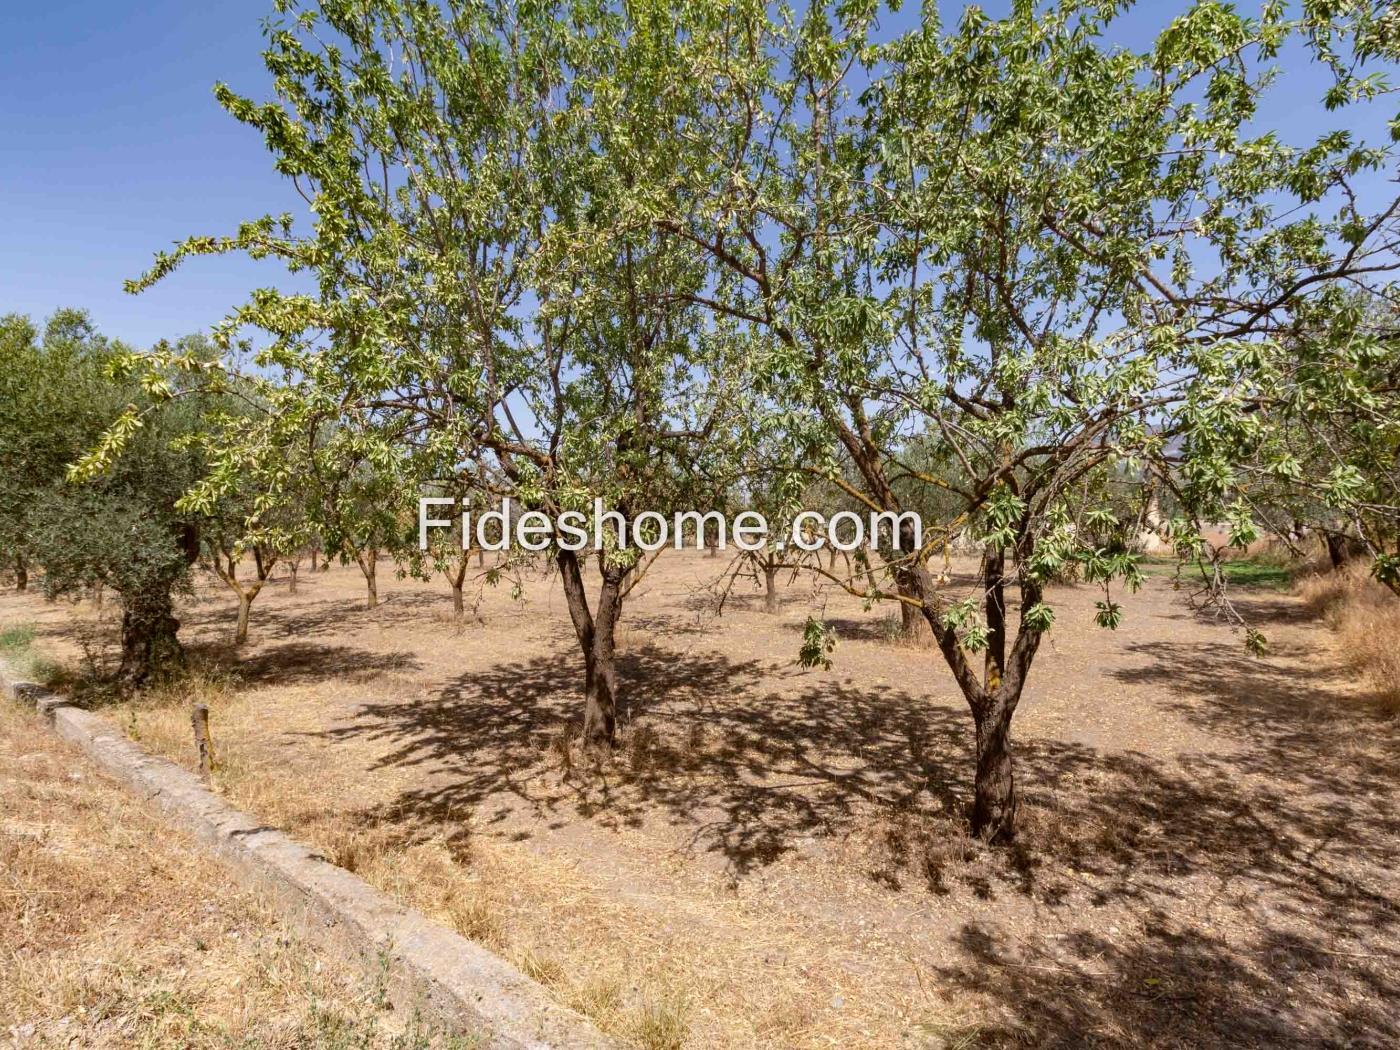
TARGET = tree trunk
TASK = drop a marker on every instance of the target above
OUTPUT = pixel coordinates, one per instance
(240, 632)
(150, 646)
(457, 580)
(314, 553)
(369, 565)
(600, 690)
(597, 640)
(994, 799)
(770, 592)
(292, 568)
(1337, 551)
(21, 574)
(908, 618)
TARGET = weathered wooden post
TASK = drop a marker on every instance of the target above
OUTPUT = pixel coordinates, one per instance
(203, 742)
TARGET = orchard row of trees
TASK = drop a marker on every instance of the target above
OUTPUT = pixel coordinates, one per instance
(678, 253)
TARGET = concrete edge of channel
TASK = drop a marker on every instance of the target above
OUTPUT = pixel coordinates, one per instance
(445, 978)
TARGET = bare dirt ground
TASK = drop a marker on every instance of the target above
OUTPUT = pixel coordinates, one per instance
(777, 857)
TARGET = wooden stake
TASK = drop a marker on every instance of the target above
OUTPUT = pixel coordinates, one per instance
(203, 742)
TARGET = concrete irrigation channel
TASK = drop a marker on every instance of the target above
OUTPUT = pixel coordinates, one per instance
(446, 978)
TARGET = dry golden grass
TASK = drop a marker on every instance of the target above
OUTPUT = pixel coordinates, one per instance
(1366, 617)
(847, 916)
(117, 931)
(641, 973)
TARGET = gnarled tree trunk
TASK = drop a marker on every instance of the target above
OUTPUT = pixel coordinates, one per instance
(994, 801)
(150, 644)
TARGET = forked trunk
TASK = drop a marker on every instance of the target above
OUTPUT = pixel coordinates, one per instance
(597, 638)
(292, 579)
(994, 800)
(992, 699)
(601, 694)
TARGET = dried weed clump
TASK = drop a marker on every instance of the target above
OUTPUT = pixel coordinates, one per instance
(1366, 617)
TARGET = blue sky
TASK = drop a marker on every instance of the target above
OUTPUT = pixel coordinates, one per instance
(114, 148)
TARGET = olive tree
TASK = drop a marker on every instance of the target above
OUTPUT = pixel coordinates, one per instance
(116, 528)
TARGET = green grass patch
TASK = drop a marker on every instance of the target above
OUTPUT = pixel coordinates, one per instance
(17, 649)
(1250, 573)
(1267, 574)
(16, 640)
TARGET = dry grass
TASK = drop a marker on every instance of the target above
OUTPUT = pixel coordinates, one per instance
(1366, 617)
(117, 931)
(482, 895)
(779, 858)
(638, 973)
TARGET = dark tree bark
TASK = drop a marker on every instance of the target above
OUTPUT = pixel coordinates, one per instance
(993, 698)
(1336, 548)
(994, 800)
(150, 633)
(596, 635)
(150, 644)
(21, 573)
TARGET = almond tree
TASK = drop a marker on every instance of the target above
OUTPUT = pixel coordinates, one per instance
(482, 308)
(1035, 252)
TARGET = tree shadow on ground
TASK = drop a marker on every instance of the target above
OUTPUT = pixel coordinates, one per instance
(1166, 986)
(323, 618)
(301, 663)
(1290, 823)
